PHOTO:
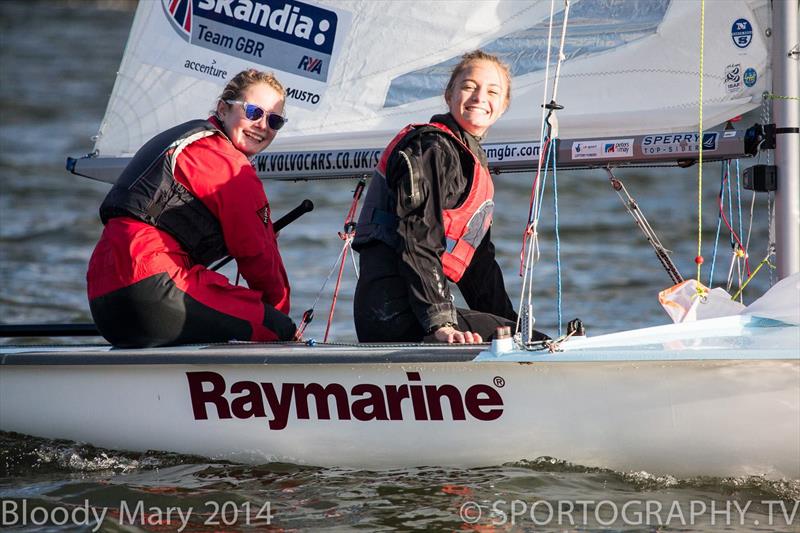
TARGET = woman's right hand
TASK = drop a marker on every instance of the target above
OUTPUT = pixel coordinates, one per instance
(451, 335)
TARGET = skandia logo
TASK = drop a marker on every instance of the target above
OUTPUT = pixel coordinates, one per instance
(293, 22)
(310, 64)
(212, 395)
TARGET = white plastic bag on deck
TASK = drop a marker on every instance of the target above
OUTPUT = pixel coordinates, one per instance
(781, 302)
(684, 303)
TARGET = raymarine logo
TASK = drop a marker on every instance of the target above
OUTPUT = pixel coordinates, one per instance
(363, 402)
(309, 64)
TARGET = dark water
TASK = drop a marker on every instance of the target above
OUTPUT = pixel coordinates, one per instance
(57, 66)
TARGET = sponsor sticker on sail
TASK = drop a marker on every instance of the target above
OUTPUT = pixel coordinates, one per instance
(742, 33)
(733, 78)
(602, 149)
(750, 77)
(679, 143)
(214, 39)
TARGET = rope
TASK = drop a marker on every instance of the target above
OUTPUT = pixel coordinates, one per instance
(719, 225)
(561, 56)
(529, 254)
(763, 262)
(739, 203)
(558, 239)
(736, 242)
(543, 140)
(699, 258)
(348, 240)
(780, 97)
(347, 236)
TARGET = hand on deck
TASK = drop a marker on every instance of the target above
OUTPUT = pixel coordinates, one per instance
(451, 335)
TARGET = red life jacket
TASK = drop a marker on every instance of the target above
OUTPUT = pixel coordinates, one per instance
(466, 225)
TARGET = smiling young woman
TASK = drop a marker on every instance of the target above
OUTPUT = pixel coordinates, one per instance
(478, 94)
(426, 220)
(187, 198)
(251, 119)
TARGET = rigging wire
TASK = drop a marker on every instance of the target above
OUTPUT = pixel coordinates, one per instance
(771, 240)
(633, 208)
(548, 137)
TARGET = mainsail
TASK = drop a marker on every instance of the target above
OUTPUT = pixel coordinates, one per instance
(631, 67)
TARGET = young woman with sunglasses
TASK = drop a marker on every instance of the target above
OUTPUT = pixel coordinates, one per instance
(188, 198)
(426, 220)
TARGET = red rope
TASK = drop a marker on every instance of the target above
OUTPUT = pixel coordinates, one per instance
(338, 283)
(347, 236)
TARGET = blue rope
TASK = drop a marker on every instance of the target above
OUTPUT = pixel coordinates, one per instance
(544, 180)
(558, 238)
(719, 223)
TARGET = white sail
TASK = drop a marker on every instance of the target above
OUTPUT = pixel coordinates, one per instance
(631, 67)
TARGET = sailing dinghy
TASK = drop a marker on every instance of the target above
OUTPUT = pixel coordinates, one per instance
(717, 396)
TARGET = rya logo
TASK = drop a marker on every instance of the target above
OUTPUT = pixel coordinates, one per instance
(310, 64)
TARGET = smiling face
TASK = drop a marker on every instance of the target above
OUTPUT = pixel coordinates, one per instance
(477, 97)
(251, 136)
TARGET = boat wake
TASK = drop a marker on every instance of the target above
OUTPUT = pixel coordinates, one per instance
(25, 456)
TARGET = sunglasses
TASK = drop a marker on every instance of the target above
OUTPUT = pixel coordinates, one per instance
(254, 113)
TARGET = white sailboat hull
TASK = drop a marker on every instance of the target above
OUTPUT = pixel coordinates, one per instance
(680, 416)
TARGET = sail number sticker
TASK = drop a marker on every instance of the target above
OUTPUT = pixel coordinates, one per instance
(680, 143)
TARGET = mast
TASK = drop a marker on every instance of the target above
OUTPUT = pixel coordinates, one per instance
(785, 65)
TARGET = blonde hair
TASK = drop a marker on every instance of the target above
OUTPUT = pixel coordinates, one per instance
(247, 78)
(480, 55)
